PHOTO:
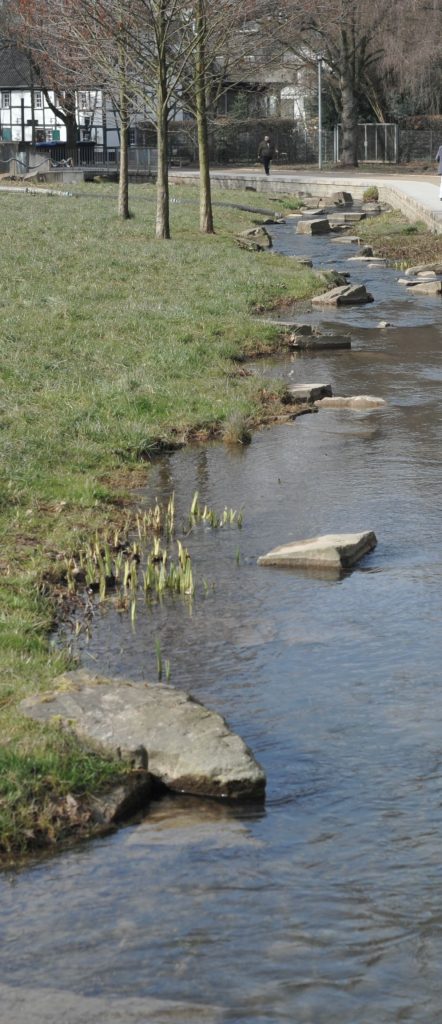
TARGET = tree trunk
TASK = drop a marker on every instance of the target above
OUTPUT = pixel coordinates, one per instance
(162, 226)
(65, 109)
(206, 211)
(123, 186)
(71, 125)
(349, 157)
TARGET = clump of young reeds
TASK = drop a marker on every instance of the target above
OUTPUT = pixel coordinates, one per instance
(204, 514)
(160, 519)
(114, 562)
(162, 574)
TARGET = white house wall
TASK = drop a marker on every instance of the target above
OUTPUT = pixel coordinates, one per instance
(16, 120)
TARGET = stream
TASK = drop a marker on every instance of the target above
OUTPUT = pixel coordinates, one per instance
(325, 905)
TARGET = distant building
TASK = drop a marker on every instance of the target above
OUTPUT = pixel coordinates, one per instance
(28, 115)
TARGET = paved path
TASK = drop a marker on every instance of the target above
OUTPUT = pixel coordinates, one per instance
(416, 195)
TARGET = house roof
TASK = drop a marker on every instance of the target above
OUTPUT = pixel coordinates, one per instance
(15, 68)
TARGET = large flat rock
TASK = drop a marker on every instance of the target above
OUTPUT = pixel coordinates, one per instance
(190, 749)
(309, 392)
(320, 342)
(255, 239)
(423, 268)
(318, 226)
(376, 261)
(332, 551)
(351, 402)
(348, 295)
(427, 287)
(337, 199)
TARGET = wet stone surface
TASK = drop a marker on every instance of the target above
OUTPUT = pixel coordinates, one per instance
(189, 748)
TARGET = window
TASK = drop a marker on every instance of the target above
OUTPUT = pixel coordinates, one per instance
(132, 136)
(38, 99)
(83, 101)
(6, 99)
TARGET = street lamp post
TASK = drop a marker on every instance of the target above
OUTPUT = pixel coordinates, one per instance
(320, 113)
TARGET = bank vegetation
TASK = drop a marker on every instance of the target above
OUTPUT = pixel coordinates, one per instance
(113, 345)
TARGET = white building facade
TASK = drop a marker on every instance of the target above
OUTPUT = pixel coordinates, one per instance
(27, 114)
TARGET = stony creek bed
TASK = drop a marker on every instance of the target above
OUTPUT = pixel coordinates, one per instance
(323, 905)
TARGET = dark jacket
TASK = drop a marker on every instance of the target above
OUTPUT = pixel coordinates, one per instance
(266, 150)
(438, 157)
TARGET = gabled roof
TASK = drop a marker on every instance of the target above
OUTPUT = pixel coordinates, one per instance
(15, 68)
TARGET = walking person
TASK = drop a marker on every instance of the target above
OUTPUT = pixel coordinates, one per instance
(266, 152)
(438, 157)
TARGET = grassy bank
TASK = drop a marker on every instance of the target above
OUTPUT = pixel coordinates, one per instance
(396, 238)
(110, 344)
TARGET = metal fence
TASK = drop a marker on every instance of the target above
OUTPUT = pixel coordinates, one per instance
(234, 142)
(376, 143)
(237, 141)
(88, 154)
(418, 144)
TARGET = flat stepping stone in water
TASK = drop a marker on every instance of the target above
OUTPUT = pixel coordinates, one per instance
(309, 392)
(190, 749)
(337, 199)
(255, 239)
(347, 295)
(320, 342)
(354, 216)
(320, 226)
(426, 287)
(351, 402)
(305, 329)
(332, 551)
(377, 260)
(424, 268)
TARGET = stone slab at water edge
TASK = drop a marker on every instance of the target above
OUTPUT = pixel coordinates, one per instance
(332, 551)
(350, 402)
(348, 295)
(255, 239)
(310, 392)
(320, 342)
(313, 227)
(190, 749)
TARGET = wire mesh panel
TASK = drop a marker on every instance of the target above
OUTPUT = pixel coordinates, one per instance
(376, 143)
(418, 144)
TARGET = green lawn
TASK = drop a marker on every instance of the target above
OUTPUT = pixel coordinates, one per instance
(110, 343)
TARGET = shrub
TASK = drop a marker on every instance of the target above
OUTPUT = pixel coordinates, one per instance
(371, 194)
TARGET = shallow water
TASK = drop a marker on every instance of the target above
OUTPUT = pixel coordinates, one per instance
(325, 906)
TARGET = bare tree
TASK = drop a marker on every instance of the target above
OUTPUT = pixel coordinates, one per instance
(221, 45)
(411, 64)
(30, 25)
(358, 44)
(139, 50)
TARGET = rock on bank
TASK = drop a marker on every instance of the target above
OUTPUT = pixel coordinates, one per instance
(190, 749)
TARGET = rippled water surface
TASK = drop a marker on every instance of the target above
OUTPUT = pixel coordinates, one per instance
(325, 906)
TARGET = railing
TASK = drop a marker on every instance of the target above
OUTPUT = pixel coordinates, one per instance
(86, 154)
(376, 143)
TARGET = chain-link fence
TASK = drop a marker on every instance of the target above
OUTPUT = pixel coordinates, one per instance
(376, 143)
(235, 141)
